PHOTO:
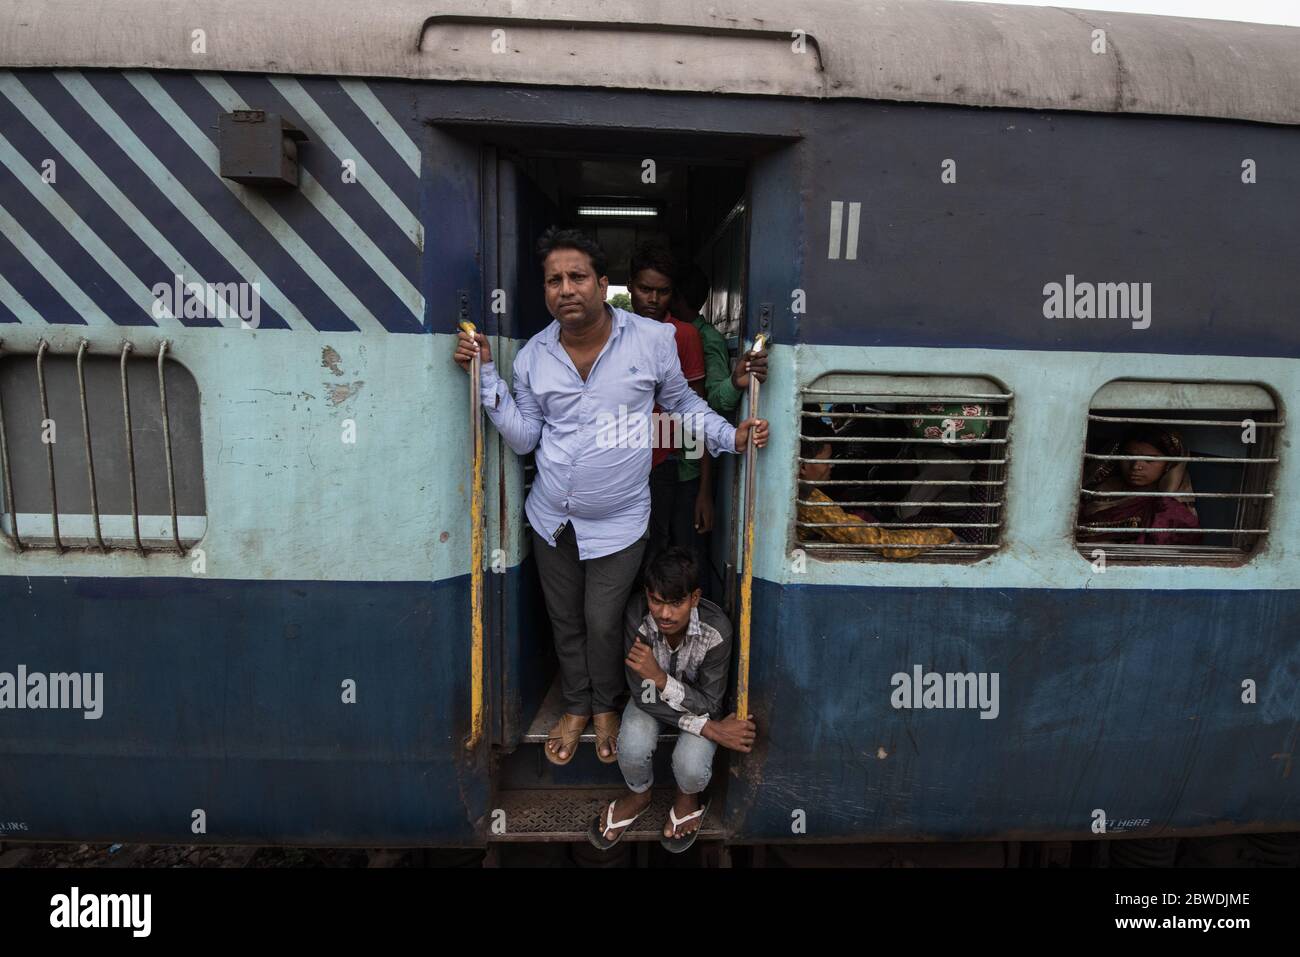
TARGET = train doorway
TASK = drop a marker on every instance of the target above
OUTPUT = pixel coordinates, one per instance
(694, 207)
(692, 195)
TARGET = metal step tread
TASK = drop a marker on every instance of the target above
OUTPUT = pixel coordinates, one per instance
(565, 815)
(552, 710)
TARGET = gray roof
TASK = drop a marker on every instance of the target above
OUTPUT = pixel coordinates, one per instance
(928, 51)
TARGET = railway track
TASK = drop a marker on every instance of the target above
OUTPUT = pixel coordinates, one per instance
(1256, 850)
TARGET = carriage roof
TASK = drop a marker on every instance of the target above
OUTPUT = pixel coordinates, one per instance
(927, 51)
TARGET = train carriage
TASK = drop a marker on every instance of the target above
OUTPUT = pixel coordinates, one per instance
(235, 244)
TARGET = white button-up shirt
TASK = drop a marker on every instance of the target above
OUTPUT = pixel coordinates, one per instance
(593, 455)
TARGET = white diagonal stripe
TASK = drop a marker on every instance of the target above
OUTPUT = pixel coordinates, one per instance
(54, 275)
(92, 174)
(339, 145)
(333, 288)
(336, 215)
(837, 217)
(17, 303)
(86, 237)
(180, 197)
(388, 127)
(851, 241)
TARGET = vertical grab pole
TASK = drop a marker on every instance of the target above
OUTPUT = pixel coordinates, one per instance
(8, 480)
(41, 348)
(476, 505)
(747, 550)
(90, 455)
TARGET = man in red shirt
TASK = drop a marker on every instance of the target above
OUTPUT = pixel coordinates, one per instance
(672, 502)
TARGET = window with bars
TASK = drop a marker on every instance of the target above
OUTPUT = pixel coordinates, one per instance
(894, 468)
(100, 452)
(1178, 473)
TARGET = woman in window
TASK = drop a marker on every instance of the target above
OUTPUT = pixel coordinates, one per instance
(847, 525)
(1139, 511)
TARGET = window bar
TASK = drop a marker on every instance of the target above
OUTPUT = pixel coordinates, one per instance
(1209, 555)
(920, 397)
(49, 446)
(90, 457)
(900, 415)
(1173, 458)
(1177, 494)
(8, 476)
(956, 443)
(1139, 421)
(907, 462)
(901, 525)
(953, 546)
(811, 504)
(897, 481)
(167, 445)
(130, 449)
(1125, 530)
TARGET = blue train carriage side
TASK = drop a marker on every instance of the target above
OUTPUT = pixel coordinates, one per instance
(252, 536)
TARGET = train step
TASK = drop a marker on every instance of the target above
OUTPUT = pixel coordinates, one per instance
(536, 814)
(553, 708)
(527, 767)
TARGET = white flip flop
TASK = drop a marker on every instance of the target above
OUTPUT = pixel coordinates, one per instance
(596, 833)
(676, 845)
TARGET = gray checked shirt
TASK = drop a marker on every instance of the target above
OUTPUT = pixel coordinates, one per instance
(696, 669)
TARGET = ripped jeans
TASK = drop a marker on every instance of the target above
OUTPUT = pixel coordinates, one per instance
(637, 739)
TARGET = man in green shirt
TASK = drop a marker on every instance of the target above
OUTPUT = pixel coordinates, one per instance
(723, 389)
(720, 390)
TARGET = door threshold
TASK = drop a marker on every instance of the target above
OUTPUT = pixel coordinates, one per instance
(552, 710)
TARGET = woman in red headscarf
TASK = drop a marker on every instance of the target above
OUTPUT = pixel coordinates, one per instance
(1140, 475)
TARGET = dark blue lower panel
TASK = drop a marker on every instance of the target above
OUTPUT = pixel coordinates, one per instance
(226, 696)
(1128, 702)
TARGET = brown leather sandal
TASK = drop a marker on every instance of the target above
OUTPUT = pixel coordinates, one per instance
(607, 725)
(567, 731)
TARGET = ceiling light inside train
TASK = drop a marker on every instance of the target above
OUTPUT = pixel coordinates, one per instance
(607, 210)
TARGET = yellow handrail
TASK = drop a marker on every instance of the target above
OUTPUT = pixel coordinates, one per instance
(476, 554)
(747, 549)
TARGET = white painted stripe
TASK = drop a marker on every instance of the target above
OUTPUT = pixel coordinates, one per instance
(855, 212)
(16, 303)
(341, 147)
(837, 217)
(53, 274)
(388, 127)
(338, 217)
(92, 174)
(36, 528)
(180, 197)
(88, 239)
(333, 287)
(364, 246)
